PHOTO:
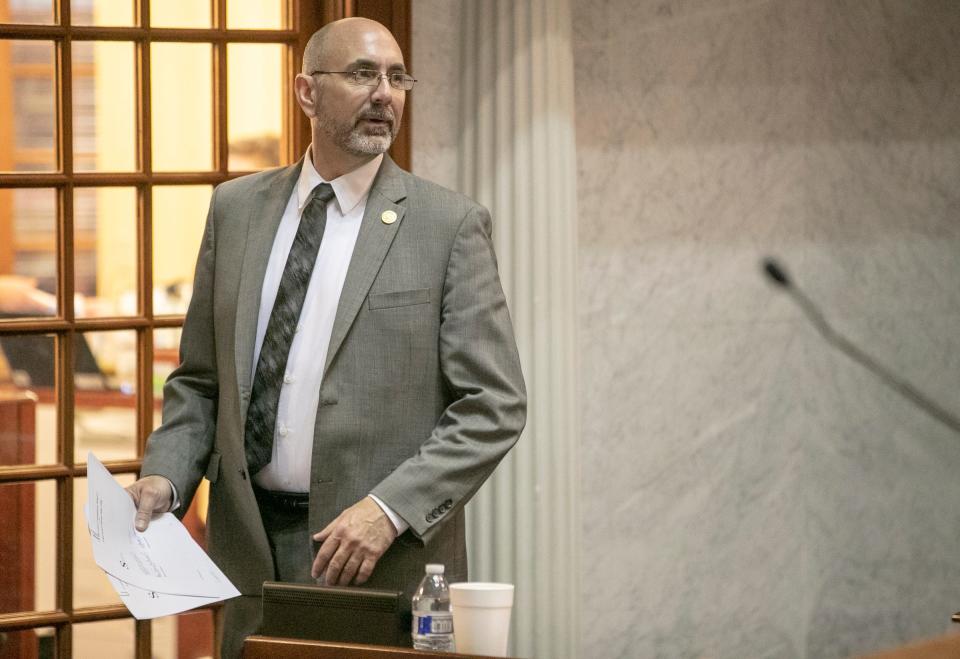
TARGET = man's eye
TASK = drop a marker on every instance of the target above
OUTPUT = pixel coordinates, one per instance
(366, 75)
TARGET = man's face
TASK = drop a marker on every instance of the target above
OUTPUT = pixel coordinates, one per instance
(359, 120)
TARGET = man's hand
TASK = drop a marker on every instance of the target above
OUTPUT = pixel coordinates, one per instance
(352, 544)
(151, 494)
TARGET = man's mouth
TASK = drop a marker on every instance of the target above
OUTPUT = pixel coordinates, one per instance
(377, 119)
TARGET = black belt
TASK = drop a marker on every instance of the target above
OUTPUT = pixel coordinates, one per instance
(298, 501)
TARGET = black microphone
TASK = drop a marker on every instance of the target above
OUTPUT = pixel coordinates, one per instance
(778, 275)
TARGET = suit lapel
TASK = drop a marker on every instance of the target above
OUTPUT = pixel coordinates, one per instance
(373, 242)
(268, 203)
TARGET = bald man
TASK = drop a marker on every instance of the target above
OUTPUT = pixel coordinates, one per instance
(349, 375)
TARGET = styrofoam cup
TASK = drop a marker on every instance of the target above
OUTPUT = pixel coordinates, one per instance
(481, 617)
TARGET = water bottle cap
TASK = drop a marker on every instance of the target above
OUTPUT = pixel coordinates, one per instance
(434, 568)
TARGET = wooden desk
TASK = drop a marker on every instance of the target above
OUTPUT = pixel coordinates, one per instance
(269, 647)
(942, 647)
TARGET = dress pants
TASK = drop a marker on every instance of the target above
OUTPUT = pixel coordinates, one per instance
(289, 536)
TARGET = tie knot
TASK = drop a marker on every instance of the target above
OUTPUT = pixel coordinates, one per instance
(322, 193)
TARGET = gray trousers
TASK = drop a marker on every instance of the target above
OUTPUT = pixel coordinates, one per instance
(289, 537)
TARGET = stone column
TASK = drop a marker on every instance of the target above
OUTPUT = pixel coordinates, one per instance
(517, 157)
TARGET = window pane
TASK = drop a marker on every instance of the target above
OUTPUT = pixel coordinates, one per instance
(27, 580)
(101, 12)
(180, 13)
(105, 248)
(166, 357)
(30, 643)
(255, 105)
(26, 11)
(28, 412)
(184, 636)
(90, 585)
(27, 106)
(179, 213)
(28, 252)
(105, 417)
(104, 106)
(256, 14)
(181, 92)
(112, 638)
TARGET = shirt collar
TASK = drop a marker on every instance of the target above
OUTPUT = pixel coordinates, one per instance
(350, 189)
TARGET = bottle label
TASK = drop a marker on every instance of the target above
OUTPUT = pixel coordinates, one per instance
(438, 622)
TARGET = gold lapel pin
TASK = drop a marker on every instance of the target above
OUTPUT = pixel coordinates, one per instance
(388, 217)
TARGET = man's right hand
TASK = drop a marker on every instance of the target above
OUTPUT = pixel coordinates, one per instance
(151, 494)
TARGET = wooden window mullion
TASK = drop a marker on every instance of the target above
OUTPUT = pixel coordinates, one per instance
(221, 146)
(65, 340)
(144, 238)
(143, 628)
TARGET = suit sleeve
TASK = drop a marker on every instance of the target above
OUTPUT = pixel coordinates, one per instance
(180, 448)
(481, 367)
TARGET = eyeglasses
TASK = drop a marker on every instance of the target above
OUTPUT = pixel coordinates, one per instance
(371, 78)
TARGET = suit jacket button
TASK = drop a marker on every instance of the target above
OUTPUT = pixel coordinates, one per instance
(429, 518)
(448, 503)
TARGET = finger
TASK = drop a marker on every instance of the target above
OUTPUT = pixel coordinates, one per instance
(335, 566)
(327, 530)
(324, 555)
(350, 569)
(145, 508)
(366, 569)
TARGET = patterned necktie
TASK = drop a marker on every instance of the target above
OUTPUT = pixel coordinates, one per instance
(272, 364)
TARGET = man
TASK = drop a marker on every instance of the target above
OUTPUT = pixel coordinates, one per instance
(344, 401)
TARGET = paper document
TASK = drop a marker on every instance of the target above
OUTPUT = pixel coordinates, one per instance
(158, 572)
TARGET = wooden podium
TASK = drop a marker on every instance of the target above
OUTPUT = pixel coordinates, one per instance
(942, 647)
(269, 647)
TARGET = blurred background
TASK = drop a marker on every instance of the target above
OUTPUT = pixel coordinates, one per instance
(702, 475)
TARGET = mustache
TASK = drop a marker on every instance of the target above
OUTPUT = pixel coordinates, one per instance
(384, 114)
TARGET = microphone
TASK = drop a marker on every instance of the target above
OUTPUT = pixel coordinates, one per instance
(779, 276)
(776, 273)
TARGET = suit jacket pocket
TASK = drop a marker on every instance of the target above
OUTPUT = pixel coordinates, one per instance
(399, 298)
(213, 467)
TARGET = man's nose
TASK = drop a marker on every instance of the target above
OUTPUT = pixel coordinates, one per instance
(383, 92)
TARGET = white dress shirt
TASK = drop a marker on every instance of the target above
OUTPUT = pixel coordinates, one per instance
(289, 469)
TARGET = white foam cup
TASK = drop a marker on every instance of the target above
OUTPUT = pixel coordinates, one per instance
(481, 617)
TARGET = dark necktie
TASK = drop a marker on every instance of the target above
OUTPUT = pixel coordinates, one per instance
(272, 364)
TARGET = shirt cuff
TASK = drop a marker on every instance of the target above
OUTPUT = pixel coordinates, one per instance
(397, 521)
(176, 497)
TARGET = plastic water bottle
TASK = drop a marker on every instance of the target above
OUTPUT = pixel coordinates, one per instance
(432, 619)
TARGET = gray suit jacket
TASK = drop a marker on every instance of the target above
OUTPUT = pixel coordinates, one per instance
(422, 393)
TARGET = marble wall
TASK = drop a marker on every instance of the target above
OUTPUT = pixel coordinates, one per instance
(748, 490)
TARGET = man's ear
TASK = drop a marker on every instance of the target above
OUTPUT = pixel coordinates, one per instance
(303, 91)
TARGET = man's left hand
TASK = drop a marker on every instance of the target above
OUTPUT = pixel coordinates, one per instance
(351, 545)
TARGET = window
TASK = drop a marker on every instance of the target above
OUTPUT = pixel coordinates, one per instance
(117, 118)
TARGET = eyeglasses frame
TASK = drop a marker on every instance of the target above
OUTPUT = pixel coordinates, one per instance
(408, 78)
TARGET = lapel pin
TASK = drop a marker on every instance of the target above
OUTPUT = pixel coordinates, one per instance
(388, 217)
